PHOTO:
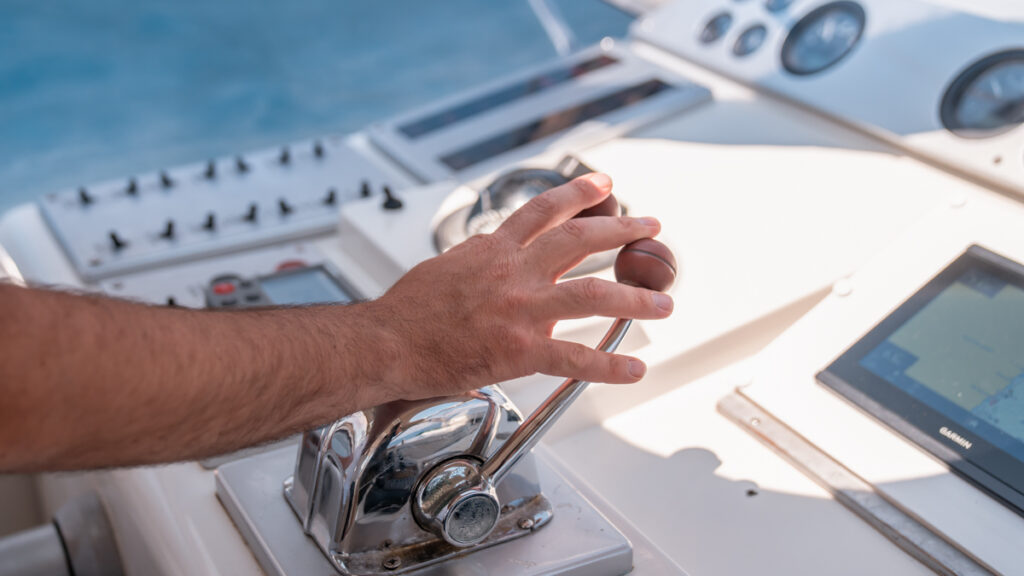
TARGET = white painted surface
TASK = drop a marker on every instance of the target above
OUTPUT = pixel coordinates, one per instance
(767, 206)
(785, 385)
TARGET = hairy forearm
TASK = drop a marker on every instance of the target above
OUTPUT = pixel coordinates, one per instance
(88, 381)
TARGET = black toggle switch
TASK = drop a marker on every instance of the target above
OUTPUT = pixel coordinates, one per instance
(240, 165)
(285, 156)
(84, 197)
(171, 302)
(211, 170)
(284, 206)
(250, 215)
(165, 180)
(391, 202)
(331, 198)
(364, 190)
(318, 149)
(210, 223)
(168, 232)
(117, 242)
(133, 188)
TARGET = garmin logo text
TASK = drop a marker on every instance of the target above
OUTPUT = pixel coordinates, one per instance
(963, 442)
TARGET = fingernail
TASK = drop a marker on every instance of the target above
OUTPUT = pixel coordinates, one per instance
(662, 301)
(600, 180)
(651, 222)
(637, 368)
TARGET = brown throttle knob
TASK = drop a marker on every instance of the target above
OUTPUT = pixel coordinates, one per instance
(646, 263)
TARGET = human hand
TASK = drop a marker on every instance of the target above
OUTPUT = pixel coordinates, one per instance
(484, 311)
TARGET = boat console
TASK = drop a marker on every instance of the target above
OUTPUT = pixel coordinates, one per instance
(840, 186)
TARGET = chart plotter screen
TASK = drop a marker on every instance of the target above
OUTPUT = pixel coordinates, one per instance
(946, 369)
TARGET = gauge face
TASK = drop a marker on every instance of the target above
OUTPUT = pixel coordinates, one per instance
(716, 28)
(987, 98)
(822, 38)
(750, 40)
(776, 5)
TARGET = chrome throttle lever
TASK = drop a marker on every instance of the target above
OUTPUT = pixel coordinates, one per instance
(457, 500)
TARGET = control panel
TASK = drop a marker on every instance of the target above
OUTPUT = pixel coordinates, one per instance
(579, 100)
(292, 284)
(962, 106)
(211, 208)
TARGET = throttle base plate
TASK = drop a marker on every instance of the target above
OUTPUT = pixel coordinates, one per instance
(578, 539)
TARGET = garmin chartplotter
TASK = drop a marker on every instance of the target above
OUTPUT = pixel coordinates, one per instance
(946, 370)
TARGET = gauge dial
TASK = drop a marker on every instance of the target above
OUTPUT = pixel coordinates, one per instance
(716, 28)
(776, 5)
(750, 40)
(987, 98)
(823, 37)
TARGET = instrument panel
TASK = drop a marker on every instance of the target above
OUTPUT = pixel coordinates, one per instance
(822, 38)
(959, 104)
(211, 208)
(986, 99)
(579, 100)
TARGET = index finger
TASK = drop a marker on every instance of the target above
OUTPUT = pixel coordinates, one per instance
(554, 206)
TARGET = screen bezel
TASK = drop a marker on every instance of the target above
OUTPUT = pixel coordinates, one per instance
(337, 280)
(985, 465)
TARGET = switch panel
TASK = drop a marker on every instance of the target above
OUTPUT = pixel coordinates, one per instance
(211, 207)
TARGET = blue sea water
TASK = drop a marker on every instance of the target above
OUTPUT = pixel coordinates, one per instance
(109, 88)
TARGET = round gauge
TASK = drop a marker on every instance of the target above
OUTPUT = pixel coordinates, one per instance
(750, 40)
(716, 28)
(776, 5)
(987, 98)
(823, 37)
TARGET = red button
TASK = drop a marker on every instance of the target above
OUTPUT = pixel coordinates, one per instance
(291, 265)
(223, 288)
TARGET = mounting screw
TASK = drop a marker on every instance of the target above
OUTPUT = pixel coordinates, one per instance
(525, 523)
(392, 563)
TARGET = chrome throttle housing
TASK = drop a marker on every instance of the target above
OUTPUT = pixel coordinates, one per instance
(407, 484)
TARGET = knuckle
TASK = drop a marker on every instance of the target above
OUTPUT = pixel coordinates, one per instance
(544, 203)
(576, 358)
(518, 343)
(592, 289)
(517, 301)
(574, 228)
(642, 299)
(583, 187)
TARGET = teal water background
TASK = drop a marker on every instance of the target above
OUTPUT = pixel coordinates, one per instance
(109, 88)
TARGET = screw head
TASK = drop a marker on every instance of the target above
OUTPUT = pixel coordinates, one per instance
(392, 563)
(526, 523)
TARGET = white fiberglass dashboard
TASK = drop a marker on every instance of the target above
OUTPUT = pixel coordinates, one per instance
(771, 188)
